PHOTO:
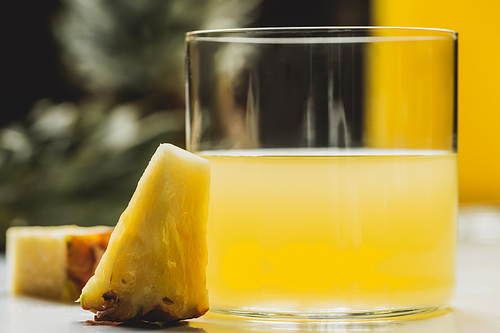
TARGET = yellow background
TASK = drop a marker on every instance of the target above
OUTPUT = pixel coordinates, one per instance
(410, 90)
(478, 26)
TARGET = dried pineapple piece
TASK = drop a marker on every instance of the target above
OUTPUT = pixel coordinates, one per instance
(154, 268)
(53, 262)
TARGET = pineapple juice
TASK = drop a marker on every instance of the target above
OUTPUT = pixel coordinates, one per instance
(304, 233)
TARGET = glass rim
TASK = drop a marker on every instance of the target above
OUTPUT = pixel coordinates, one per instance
(297, 30)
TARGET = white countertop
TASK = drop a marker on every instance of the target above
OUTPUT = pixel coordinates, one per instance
(475, 308)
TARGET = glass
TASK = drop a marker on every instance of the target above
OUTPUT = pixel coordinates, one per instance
(334, 178)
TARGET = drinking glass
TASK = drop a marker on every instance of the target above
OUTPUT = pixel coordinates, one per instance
(333, 169)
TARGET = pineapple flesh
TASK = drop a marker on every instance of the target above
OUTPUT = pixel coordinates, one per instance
(154, 268)
(53, 262)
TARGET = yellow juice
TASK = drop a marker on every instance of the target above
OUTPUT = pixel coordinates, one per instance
(318, 233)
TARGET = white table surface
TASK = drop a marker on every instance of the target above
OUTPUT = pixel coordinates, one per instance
(475, 308)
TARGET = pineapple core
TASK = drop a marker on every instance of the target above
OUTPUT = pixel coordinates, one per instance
(154, 268)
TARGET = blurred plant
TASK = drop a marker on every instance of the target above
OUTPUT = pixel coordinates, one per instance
(138, 45)
(78, 162)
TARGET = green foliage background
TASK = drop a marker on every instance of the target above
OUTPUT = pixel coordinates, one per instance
(78, 162)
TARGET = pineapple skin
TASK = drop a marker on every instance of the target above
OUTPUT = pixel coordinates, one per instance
(38, 262)
(154, 268)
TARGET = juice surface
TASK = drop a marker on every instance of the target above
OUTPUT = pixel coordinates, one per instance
(315, 233)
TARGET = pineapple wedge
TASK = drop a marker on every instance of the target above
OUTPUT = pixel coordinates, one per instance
(53, 262)
(154, 268)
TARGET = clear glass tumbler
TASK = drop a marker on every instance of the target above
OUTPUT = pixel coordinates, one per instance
(334, 178)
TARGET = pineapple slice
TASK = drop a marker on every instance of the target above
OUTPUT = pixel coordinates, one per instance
(154, 268)
(53, 262)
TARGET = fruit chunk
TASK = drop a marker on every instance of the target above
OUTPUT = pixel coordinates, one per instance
(154, 268)
(53, 262)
